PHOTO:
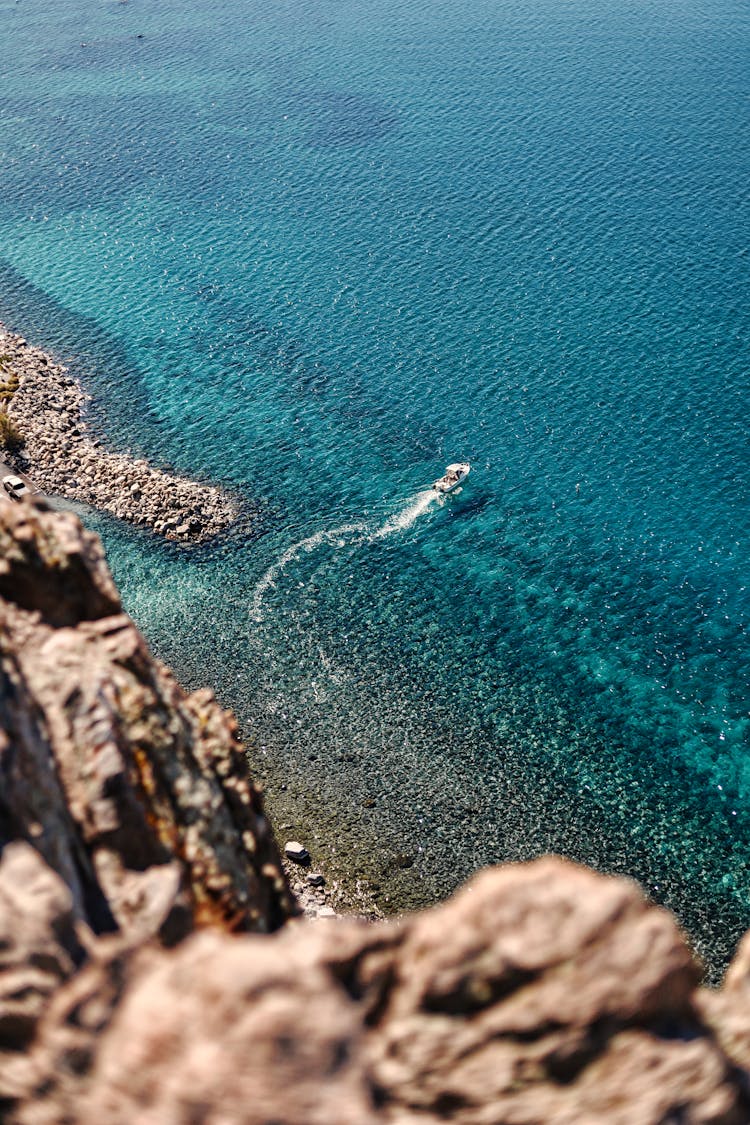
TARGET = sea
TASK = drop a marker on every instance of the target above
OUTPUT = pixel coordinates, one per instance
(315, 250)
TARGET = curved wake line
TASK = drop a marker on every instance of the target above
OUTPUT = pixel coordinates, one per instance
(402, 520)
(309, 544)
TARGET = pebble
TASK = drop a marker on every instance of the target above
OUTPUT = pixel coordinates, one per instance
(315, 879)
(296, 852)
(48, 409)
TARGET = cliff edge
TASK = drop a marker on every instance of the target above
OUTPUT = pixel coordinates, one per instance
(149, 971)
(134, 792)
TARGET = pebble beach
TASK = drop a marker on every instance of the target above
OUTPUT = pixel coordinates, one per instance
(62, 457)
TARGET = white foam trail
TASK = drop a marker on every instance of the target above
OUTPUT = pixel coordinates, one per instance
(336, 536)
(309, 544)
(408, 515)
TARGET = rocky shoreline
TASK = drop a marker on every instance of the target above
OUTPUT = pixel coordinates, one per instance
(63, 458)
(154, 966)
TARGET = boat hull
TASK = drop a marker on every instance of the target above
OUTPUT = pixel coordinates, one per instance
(454, 476)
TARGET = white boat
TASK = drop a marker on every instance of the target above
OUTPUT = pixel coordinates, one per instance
(453, 476)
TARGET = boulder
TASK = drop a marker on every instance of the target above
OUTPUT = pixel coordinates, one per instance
(542, 994)
(135, 793)
(297, 852)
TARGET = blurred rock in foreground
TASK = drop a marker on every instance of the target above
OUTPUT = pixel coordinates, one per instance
(541, 994)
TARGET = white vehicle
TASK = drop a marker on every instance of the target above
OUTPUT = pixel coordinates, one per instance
(15, 487)
(454, 474)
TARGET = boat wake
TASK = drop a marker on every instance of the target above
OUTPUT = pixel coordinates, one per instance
(336, 536)
(408, 515)
(348, 533)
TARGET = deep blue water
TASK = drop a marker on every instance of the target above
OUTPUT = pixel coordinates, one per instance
(317, 250)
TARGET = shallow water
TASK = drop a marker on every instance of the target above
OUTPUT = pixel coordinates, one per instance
(319, 251)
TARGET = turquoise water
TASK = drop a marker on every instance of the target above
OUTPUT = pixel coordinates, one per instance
(316, 251)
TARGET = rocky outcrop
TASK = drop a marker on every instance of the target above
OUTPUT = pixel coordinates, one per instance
(139, 878)
(62, 458)
(542, 994)
(39, 949)
(134, 792)
(54, 568)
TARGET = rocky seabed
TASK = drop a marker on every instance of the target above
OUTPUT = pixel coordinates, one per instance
(62, 458)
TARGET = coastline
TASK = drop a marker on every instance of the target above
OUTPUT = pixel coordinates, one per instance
(63, 458)
(320, 896)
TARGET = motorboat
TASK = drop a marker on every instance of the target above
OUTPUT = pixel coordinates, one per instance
(453, 476)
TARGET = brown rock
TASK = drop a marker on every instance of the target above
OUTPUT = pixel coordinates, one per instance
(39, 949)
(727, 1011)
(39, 946)
(135, 793)
(54, 567)
(240, 1030)
(533, 996)
(541, 995)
